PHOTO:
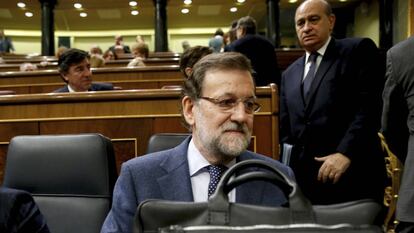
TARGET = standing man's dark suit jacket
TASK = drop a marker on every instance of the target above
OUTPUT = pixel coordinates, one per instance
(125, 47)
(262, 56)
(19, 213)
(94, 87)
(398, 121)
(6, 45)
(165, 175)
(342, 114)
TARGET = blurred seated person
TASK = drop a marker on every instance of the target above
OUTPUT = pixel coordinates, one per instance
(141, 52)
(186, 45)
(96, 60)
(27, 66)
(74, 68)
(19, 213)
(60, 50)
(118, 51)
(139, 39)
(231, 36)
(119, 42)
(109, 55)
(189, 58)
(95, 49)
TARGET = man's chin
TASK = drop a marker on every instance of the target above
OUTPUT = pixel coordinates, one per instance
(235, 144)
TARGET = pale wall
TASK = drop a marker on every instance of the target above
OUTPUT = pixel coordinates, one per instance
(401, 18)
(367, 21)
(27, 42)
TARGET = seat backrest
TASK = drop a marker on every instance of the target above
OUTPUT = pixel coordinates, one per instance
(71, 178)
(394, 171)
(164, 141)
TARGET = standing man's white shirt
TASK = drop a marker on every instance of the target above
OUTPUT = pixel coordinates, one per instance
(321, 53)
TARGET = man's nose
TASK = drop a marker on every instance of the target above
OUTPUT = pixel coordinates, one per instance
(306, 26)
(88, 72)
(240, 113)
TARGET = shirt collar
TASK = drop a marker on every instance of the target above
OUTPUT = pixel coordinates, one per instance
(197, 162)
(72, 90)
(321, 51)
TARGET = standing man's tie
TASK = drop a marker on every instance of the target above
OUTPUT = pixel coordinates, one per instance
(307, 82)
(215, 175)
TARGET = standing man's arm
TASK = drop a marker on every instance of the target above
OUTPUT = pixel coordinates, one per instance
(367, 80)
(284, 122)
(395, 111)
(11, 46)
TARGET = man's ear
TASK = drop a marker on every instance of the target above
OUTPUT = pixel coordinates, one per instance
(64, 77)
(188, 71)
(188, 105)
(332, 20)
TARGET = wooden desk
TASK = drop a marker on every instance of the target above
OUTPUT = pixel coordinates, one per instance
(148, 62)
(129, 118)
(45, 81)
(16, 67)
(285, 57)
(112, 63)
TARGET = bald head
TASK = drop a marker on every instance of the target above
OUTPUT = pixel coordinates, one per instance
(324, 4)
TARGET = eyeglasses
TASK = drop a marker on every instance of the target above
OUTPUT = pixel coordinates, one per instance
(225, 105)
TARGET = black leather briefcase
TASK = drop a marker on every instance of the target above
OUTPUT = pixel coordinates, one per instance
(219, 215)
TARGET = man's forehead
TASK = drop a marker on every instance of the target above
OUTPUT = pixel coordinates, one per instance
(214, 80)
(312, 7)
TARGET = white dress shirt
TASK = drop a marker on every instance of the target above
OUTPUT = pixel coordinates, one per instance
(199, 175)
(321, 52)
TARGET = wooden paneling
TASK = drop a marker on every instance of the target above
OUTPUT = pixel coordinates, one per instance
(127, 78)
(14, 65)
(128, 118)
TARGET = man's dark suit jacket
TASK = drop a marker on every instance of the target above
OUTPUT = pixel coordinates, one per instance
(262, 56)
(342, 114)
(165, 175)
(397, 120)
(6, 45)
(94, 87)
(19, 213)
(125, 47)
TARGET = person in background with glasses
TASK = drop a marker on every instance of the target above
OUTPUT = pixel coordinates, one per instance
(217, 105)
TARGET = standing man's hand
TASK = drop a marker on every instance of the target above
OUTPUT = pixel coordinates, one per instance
(333, 167)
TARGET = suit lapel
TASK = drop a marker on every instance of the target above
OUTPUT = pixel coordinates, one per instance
(323, 68)
(297, 79)
(176, 183)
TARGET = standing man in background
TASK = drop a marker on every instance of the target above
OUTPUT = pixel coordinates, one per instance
(216, 43)
(398, 125)
(119, 43)
(258, 49)
(6, 45)
(330, 109)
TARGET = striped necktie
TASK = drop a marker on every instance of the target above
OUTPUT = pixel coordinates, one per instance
(307, 82)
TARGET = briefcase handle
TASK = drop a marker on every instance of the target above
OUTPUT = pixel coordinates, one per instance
(300, 208)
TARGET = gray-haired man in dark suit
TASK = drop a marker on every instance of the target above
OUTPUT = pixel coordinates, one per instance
(218, 105)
